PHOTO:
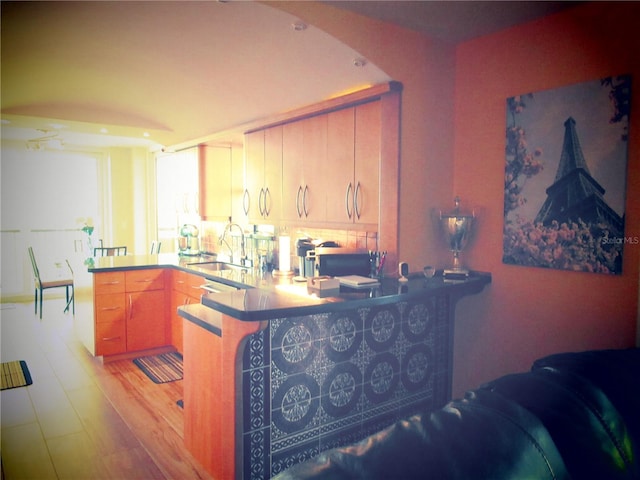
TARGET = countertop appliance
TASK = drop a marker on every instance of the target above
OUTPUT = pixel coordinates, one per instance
(188, 241)
(340, 261)
(305, 250)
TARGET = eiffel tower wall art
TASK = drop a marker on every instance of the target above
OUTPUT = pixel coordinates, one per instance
(565, 177)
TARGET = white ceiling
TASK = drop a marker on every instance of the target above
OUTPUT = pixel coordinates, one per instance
(184, 70)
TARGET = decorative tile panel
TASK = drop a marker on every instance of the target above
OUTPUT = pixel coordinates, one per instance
(320, 381)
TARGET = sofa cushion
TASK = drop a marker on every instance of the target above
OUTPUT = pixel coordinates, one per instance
(615, 372)
(588, 430)
(483, 436)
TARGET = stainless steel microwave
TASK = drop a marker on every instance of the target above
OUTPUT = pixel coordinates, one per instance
(339, 261)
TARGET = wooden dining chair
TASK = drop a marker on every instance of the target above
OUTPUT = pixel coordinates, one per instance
(63, 277)
(109, 251)
(155, 247)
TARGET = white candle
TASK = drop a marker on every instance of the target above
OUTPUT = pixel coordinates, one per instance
(285, 254)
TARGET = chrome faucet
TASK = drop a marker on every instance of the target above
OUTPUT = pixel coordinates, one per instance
(222, 239)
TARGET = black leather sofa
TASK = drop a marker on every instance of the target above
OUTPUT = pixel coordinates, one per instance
(574, 415)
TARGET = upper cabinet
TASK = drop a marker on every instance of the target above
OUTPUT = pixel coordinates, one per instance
(262, 197)
(332, 155)
(354, 164)
(304, 156)
(366, 179)
(214, 165)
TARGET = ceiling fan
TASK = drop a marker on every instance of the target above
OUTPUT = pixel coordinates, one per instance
(50, 140)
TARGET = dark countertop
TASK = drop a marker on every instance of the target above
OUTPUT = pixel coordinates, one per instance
(262, 296)
(288, 299)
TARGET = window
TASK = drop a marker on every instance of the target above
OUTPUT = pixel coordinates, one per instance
(177, 194)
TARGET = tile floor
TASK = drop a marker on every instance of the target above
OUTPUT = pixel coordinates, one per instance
(64, 425)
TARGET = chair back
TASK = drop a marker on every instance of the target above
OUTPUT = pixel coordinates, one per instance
(34, 265)
(155, 247)
(109, 251)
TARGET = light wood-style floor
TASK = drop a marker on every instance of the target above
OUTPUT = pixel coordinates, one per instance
(81, 419)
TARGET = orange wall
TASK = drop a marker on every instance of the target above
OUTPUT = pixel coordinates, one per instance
(530, 312)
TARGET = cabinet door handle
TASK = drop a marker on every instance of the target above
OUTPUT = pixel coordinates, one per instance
(298, 201)
(114, 282)
(267, 202)
(304, 201)
(261, 202)
(109, 309)
(111, 339)
(246, 202)
(130, 306)
(356, 201)
(346, 199)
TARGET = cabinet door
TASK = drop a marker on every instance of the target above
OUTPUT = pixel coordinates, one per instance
(254, 175)
(146, 320)
(237, 184)
(272, 196)
(185, 291)
(316, 177)
(340, 165)
(292, 172)
(179, 299)
(215, 182)
(367, 162)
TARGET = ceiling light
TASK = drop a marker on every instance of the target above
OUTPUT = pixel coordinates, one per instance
(299, 26)
(146, 134)
(359, 62)
(104, 130)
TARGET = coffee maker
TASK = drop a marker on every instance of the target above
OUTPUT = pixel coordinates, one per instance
(304, 246)
(188, 241)
(305, 249)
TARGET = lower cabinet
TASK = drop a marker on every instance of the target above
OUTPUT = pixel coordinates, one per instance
(185, 290)
(146, 320)
(130, 311)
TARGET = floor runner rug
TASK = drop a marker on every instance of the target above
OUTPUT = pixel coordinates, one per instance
(163, 368)
(15, 374)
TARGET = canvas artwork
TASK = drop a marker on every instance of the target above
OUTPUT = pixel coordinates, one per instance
(565, 177)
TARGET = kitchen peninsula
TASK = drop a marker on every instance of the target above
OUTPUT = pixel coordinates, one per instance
(274, 375)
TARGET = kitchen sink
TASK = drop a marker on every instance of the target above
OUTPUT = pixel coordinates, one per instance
(216, 266)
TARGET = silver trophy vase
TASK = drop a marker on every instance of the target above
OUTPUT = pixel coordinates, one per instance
(456, 228)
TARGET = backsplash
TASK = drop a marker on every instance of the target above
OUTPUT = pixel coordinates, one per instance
(263, 240)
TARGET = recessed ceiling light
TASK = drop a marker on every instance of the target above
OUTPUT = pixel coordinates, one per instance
(57, 126)
(299, 26)
(359, 62)
(146, 134)
(104, 130)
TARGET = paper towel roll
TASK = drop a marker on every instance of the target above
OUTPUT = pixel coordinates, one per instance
(284, 264)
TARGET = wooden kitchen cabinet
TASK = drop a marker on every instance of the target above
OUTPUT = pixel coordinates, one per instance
(185, 291)
(147, 323)
(130, 311)
(214, 171)
(305, 174)
(353, 160)
(263, 175)
(109, 313)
